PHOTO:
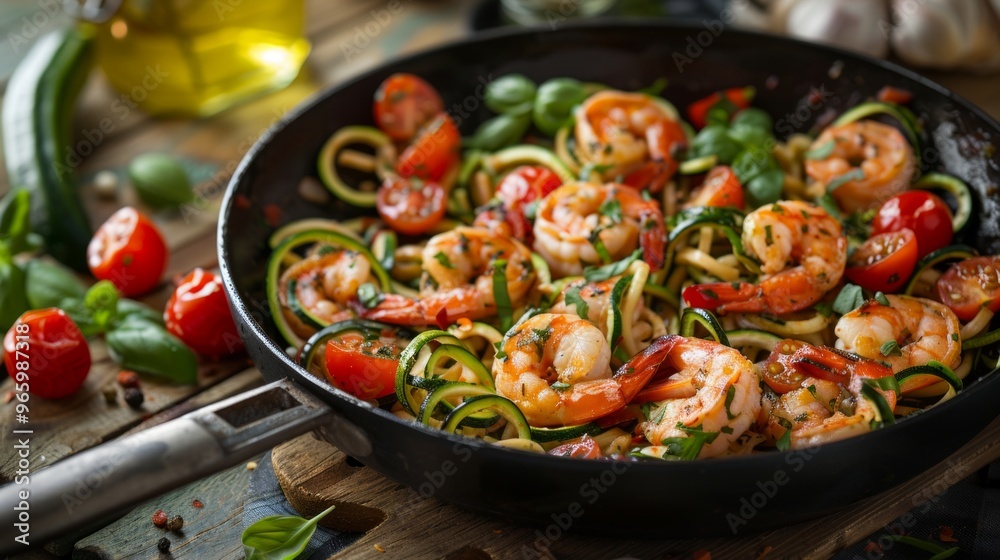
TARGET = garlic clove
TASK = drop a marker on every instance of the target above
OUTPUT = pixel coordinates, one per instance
(857, 25)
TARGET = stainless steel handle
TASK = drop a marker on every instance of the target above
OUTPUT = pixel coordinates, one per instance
(103, 481)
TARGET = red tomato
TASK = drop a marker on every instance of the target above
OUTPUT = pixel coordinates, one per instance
(586, 448)
(740, 97)
(198, 314)
(46, 351)
(970, 285)
(403, 104)
(129, 251)
(920, 211)
(721, 188)
(884, 262)
(890, 94)
(779, 371)
(364, 367)
(433, 152)
(410, 206)
(519, 188)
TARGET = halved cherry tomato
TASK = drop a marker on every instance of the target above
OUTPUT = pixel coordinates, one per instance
(410, 206)
(779, 371)
(198, 314)
(970, 285)
(46, 352)
(521, 187)
(890, 94)
(403, 104)
(433, 152)
(363, 366)
(721, 188)
(884, 262)
(740, 97)
(920, 211)
(586, 448)
(129, 251)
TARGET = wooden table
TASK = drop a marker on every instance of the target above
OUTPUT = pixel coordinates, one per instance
(211, 148)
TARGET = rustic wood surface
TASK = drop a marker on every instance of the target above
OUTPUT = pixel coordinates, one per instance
(213, 147)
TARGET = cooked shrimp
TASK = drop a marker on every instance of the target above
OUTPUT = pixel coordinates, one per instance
(828, 404)
(922, 330)
(723, 398)
(802, 252)
(458, 279)
(877, 152)
(322, 284)
(631, 133)
(577, 221)
(557, 371)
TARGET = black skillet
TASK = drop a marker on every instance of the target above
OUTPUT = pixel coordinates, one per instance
(798, 83)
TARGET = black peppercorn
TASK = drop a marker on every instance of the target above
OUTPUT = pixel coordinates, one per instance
(133, 397)
(175, 523)
(163, 545)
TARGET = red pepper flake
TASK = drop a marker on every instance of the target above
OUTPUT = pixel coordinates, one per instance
(242, 201)
(873, 546)
(272, 214)
(197, 504)
(128, 378)
(947, 534)
(160, 518)
(702, 555)
(764, 552)
(889, 94)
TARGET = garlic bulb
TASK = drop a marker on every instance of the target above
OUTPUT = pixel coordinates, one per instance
(947, 33)
(856, 25)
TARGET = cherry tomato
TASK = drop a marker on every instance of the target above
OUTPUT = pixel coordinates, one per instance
(129, 251)
(403, 104)
(46, 351)
(740, 97)
(410, 206)
(970, 285)
(433, 152)
(779, 371)
(884, 262)
(363, 366)
(890, 94)
(920, 211)
(521, 187)
(198, 314)
(586, 448)
(721, 188)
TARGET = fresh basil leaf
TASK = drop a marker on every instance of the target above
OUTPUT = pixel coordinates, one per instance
(592, 167)
(850, 298)
(499, 132)
(601, 273)
(751, 163)
(555, 102)
(766, 187)
(753, 117)
(101, 303)
(855, 174)
(369, 296)
(891, 348)
(715, 140)
(147, 347)
(612, 210)
(750, 136)
(49, 285)
(15, 222)
(128, 308)
(443, 259)
(279, 537)
(13, 299)
(821, 152)
(512, 94)
(574, 298)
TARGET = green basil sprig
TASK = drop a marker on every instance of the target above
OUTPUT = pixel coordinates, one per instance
(15, 238)
(141, 345)
(512, 94)
(279, 537)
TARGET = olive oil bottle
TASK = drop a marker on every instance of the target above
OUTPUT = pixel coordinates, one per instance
(198, 57)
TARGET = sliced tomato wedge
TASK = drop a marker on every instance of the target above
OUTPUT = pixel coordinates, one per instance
(434, 151)
(890, 94)
(920, 211)
(364, 366)
(971, 285)
(721, 188)
(403, 104)
(410, 206)
(884, 262)
(586, 448)
(518, 189)
(740, 97)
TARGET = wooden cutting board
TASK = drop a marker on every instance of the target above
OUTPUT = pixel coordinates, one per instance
(396, 520)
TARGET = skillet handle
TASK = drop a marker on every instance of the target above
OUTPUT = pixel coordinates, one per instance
(104, 481)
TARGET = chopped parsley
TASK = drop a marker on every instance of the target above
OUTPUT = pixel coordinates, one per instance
(730, 395)
(688, 448)
(821, 152)
(612, 210)
(891, 348)
(443, 259)
(599, 274)
(850, 298)
(574, 298)
(880, 297)
(560, 386)
(369, 296)
(855, 174)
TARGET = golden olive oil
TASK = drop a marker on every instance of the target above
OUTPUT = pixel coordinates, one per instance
(198, 57)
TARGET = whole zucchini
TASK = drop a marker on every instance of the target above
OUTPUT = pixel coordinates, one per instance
(37, 115)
